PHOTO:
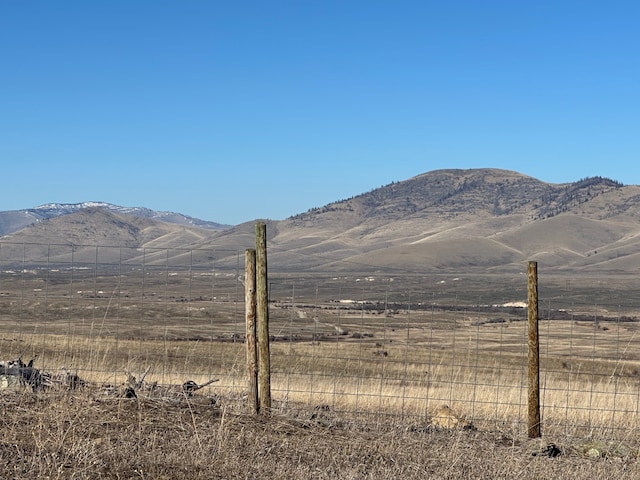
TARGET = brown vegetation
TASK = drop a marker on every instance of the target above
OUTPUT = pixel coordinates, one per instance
(86, 436)
(360, 368)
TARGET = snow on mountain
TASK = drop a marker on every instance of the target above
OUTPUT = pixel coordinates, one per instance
(11, 221)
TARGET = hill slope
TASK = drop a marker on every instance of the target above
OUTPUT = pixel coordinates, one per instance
(14, 220)
(484, 219)
(480, 220)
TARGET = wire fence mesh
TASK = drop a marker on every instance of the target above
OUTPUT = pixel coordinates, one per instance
(102, 310)
(378, 356)
(379, 347)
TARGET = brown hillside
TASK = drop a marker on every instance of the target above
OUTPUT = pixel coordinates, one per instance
(478, 220)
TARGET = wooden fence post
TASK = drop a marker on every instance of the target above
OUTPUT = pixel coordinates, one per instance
(534, 427)
(262, 318)
(250, 317)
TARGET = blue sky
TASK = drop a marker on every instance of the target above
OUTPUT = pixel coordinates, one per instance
(236, 110)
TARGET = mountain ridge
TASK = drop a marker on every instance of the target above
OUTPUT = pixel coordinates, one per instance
(489, 220)
(13, 220)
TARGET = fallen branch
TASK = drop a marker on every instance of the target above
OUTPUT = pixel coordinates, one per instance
(190, 386)
(67, 379)
(26, 373)
(131, 380)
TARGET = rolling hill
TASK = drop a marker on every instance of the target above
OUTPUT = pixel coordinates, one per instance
(446, 220)
(14, 220)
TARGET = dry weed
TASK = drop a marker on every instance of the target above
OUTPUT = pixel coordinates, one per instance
(83, 435)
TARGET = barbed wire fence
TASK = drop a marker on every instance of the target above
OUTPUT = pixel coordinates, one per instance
(377, 348)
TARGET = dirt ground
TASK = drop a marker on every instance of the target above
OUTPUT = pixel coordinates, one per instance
(85, 435)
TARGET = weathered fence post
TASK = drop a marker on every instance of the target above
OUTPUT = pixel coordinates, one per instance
(534, 428)
(250, 316)
(262, 318)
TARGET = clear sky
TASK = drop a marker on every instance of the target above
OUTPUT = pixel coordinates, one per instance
(236, 110)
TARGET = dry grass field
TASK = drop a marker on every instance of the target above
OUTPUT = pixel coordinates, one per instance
(87, 436)
(360, 368)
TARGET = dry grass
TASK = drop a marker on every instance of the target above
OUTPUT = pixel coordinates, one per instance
(406, 365)
(339, 412)
(355, 386)
(85, 435)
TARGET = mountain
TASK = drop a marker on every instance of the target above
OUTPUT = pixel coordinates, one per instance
(466, 220)
(477, 220)
(14, 220)
(120, 238)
